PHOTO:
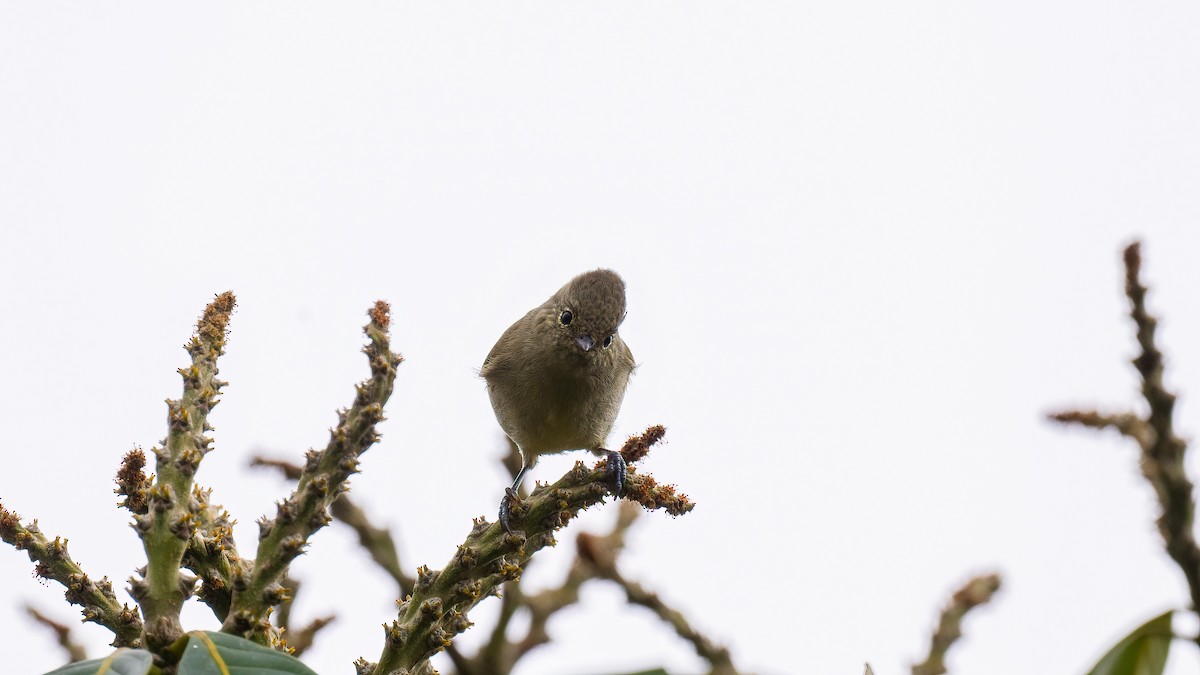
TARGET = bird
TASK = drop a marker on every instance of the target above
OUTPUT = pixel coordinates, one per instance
(556, 378)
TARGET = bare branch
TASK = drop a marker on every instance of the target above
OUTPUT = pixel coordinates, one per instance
(300, 640)
(62, 634)
(600, 555)
(1163, 451)
(975, 592)
(1128, 424)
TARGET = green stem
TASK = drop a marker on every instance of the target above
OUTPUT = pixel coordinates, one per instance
(324, 477)
(53, 562)
(170, 523)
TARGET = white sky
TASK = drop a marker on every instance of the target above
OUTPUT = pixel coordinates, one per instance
(868, 246)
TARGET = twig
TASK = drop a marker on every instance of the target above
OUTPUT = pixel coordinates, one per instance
(377, 541)
(600, 555)
(975, 592)
(1127, 424)
(168, 524)
(212, 554)
(501, 653)
(53, 562)
(132, 482)
(300, 640)
(283, 614)
(1163, 451)
(62, 634)
(325, 476)
(437, 609)
(297, 640)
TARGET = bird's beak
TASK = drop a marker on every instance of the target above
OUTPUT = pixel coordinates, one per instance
(585, 342)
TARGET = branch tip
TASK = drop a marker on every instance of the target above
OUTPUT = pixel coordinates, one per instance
(132, 481)
(972, 594)
(638, 445)
(381, 314)
(213, 324)
(1133, 263)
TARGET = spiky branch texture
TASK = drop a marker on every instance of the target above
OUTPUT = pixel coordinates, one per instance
(52, 561)
(437, 609)
(1162, 450)
(212, 553)
(377, 541)
(501, 651)
(323, 478)
(974, 593)
(181, 529)
(169, 523)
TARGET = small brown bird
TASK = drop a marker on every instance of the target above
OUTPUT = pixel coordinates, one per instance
(557, 376)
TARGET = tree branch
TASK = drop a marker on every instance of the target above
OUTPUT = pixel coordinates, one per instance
(436, 611)
(212, 553)
(168, 523)
(377, 541)
(62, 634)
(53, 562)
(300, 640)
(600, 555)
(324, 477)
(1163, 451)
(975, 592)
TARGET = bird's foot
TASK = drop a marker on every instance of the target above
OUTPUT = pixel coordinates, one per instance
(616, 472)
(507, 503)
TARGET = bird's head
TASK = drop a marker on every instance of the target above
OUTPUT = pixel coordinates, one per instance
(589, 309)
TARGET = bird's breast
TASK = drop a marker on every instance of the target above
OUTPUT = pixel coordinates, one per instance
(554, 405)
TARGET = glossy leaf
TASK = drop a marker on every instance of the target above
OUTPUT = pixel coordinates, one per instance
(1142, 652)
(209, 653)
(120, 662)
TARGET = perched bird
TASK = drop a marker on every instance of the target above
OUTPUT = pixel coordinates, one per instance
(557, 376)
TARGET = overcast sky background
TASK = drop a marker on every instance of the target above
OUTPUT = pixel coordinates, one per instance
(868, 246)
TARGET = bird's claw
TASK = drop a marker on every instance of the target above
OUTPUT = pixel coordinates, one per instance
(506, 503)
(616, 472)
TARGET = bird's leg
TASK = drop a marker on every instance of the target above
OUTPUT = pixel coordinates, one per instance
(616, 470)
(511, 497)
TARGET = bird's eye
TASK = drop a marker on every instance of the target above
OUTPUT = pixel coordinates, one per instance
(607, 341)
(566, 317)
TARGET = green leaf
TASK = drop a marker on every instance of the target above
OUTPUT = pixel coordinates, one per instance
(209, 653)
(120, 662)
(1142, 652)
